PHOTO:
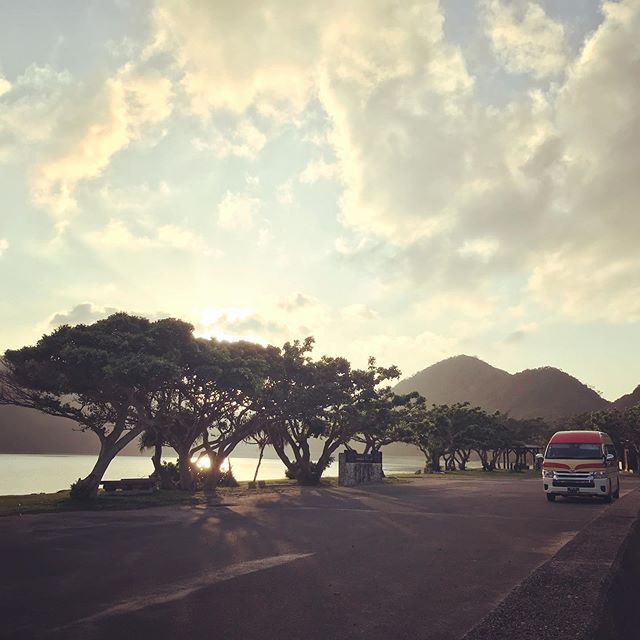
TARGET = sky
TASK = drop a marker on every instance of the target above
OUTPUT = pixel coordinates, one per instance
(408, 180)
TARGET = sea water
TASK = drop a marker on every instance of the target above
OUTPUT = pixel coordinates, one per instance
(31, 473)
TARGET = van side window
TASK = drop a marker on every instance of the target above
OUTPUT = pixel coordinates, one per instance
(609, 448)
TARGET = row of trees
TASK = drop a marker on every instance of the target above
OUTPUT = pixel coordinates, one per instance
(623, 425)
(126, 377)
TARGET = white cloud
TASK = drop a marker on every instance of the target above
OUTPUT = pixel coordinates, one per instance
(296, 301)
(359, 311)
(525, 39)
(4, 245)
(481, 248)
(586, 286)
(129, 102)
(237, 210)
(589, 269)
(274, 73)
(240, 324)
(32, 108)
(84, 313)
(117, 235)
(318, 170)
(245, 141)
(5, 85)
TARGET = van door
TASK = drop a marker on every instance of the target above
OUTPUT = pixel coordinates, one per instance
(612, 468)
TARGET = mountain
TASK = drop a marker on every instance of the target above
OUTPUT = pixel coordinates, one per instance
(29, 431)
(628, 400)
(546, 392)
(458, 379)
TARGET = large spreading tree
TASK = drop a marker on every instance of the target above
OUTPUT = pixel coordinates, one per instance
(306, 400)
(99, 376)
(212, 406)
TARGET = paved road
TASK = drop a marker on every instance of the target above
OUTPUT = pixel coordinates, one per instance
(426, 559)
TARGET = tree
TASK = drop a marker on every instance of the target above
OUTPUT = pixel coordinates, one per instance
(306, 399)
(100, 376)
(428, 429)
(623, 425)
(212, 406)
(262, 439)
(383, 417)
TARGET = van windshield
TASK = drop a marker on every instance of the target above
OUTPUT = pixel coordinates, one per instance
(574, 451)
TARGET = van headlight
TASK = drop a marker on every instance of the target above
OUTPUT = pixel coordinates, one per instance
(599, 474)
(547, 473)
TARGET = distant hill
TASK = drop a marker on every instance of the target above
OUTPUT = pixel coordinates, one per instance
(29, 431)
(628, 400)
(546, 392)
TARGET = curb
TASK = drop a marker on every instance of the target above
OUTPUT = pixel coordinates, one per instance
(588, 590)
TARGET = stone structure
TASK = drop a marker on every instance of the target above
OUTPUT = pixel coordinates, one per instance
(359, 468)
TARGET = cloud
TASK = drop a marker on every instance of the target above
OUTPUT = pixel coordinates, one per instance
(33, 108)
(250, 324)
(589, 269)
(318, 170)
(520, 334)
(245, 141)
(5, 85)
(359, 311)
(525, 39)
(84, 313)
(440, 191)
(237, 210)
(482, 248)
(275, 74)
(296, 301)
(4, 245)
(127, 105)
(240, 324)
(116, 235)
(89, 312)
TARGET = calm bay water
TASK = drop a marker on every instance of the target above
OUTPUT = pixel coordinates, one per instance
(26, 473)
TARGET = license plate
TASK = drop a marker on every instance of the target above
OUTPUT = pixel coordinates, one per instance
(573, 490)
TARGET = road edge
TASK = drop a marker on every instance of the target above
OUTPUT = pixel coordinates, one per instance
(585, 591)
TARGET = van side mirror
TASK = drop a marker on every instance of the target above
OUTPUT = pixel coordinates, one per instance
(539, 456)
(609, 457)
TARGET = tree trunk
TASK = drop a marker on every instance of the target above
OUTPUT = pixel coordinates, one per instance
(86, 488)
(213, 476)
(159, 471)
(156, 459)
(184, 471)
(255, 475)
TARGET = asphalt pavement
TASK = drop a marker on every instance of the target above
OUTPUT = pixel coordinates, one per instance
(423, 559)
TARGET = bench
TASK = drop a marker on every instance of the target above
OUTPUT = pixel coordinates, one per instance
(130, 485)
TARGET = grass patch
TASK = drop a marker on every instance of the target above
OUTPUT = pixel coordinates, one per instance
(60, 502)
(473, 474)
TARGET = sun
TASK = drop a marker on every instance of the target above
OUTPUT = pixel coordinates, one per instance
(204, 463)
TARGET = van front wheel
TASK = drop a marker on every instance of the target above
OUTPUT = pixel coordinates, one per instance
(551, 497)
